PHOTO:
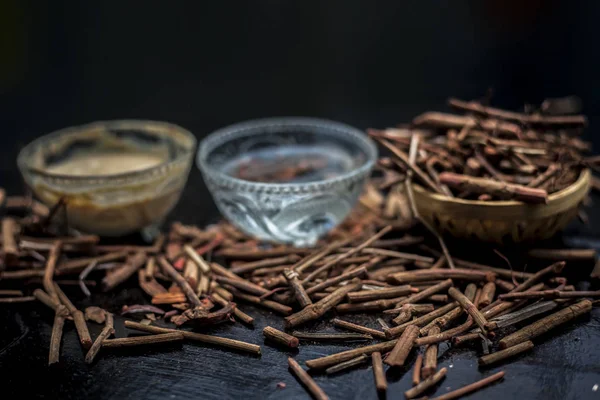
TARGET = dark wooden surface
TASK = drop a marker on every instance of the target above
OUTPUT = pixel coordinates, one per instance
(565, 364)
(204, 65)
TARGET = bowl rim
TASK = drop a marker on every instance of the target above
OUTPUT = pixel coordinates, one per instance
(128, 123)
(552, 198)
(237, 129)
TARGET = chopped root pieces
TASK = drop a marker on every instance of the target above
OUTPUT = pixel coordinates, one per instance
(106, 333)
(308, 382)
(426, 384)
(143, 340)
(473, 387)
(280, 338)
(502, 355)
(386, 267)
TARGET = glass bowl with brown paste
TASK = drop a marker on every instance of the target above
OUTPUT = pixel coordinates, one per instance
(116, 177)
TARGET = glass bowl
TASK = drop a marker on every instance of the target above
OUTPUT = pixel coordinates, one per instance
(117, 177)
(246, 168)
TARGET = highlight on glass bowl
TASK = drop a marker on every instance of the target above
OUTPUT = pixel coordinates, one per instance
(116, 177)
(287, 180)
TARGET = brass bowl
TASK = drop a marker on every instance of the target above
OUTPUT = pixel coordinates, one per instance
(502, 222)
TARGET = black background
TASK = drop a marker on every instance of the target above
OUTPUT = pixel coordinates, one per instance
(206, 64)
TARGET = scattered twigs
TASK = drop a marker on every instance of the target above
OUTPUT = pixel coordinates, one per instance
(84, 275)
(501, 307)
(191, 232)
(469, 307)
(44, 298)
(442, 322)
(316, 310)
(403, 347)
(317, 255)
(549, 294)
(106, 333)
(338, 323)
(426, 384)
(9, 243)
(222, 271)
(412, 308)
(521, 315)
(21, 202)
(255, 254)
(368, 306)
(78, 318)
(197, 259)
(416, 376)
(555, 268)
(346, 365)
(23, 274)
(337, 279)
(124, 272)
(199, 311)
(422, 320)
(446, 335)
(280, 338)
(473, 387)
(423, 177)
(487, 295)
(143, 340)
(149, 284)
(391, 292)
(424, 294)
(79, 264)
(277, 307)
(180, 281)
(469, 337)
(327, 361)
(57, 330)
(431, 274)
(243, 285)
(414, 144)
(239, 314)
(378, 372)
(306, 380)
(332, 337)
(502, 355)
(155, 248)
(347, 254)
(501, 272)
(430, 358)
(266, 263)
(404, 316)
(20, 299)
(297, 288)
(199, 337)
(49, 271)
(397, 254)
(9, 292)
(443, 120)
(545, 324)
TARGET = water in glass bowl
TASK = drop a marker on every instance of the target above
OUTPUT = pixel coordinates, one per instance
(288, 180)
(290, 164)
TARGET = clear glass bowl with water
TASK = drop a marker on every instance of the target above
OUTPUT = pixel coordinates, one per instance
(287, 180)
